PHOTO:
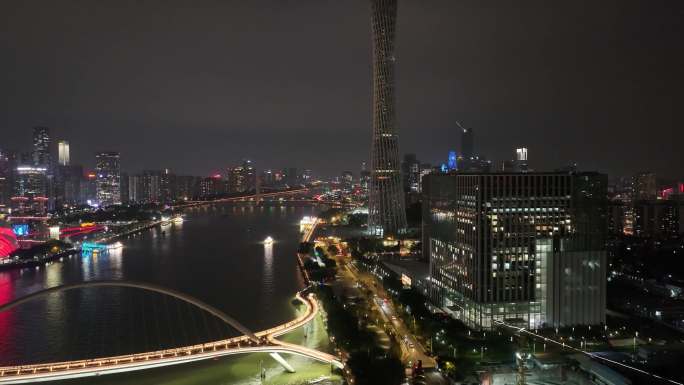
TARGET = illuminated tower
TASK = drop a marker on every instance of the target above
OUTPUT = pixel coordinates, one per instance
(386, 213)
(63, 153)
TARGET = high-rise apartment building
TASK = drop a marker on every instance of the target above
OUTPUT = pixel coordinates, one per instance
(386, 213)
(525, 249)
(644, 186)
(7, 170)
(63, 153)
(658, 218)
(108, 171)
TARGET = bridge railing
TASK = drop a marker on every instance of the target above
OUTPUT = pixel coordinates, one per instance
(266, 339)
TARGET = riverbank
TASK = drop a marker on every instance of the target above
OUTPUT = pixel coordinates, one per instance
(16, 263)
(35, 262)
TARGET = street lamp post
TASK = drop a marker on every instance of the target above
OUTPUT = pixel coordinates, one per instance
(636, 334)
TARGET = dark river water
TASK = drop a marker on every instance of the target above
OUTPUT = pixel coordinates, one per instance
(215, 255)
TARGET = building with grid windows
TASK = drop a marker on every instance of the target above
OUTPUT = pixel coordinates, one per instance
(523, 248)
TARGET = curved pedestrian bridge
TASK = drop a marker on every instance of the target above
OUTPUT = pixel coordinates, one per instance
(262, 341)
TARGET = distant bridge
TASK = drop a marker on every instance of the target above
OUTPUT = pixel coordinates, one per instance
(249, 342)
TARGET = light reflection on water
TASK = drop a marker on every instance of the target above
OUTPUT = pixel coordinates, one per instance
(216, 255)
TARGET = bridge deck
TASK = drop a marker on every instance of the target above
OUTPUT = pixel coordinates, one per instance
(267, 342)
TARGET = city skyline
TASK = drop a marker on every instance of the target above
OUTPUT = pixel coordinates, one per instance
(538, 103)
(366, 192)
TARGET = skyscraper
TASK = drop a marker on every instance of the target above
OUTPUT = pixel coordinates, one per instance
(108, 172)
(467, 142)
(63, 153)
(41, 147)
(386, 213)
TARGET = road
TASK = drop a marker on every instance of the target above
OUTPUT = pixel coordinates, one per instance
(412, 349)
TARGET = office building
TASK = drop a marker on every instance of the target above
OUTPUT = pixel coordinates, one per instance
(108, 171)
(524, 249)
(30, 190)
(63, 153)
(386, 213)
(67, 185)
(125, 188)
(88, 195)
(40, 154)
(410, 170)
(347, 179)
(467, 142)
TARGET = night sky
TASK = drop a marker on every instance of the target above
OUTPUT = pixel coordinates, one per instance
(198, 85)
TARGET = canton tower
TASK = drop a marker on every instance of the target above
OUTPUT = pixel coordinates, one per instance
(386, 215)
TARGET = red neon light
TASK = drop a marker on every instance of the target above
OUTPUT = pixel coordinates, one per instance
(681, 187)
(8, 242)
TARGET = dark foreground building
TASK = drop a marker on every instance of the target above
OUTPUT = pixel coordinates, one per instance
(525, 249)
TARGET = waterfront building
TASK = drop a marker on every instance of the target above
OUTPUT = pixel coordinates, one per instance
(63, 158)
(108, 171)
(241, 178)
(211, 186)
(522, 248)
(187, 187)
(267, 178)
(386, 214)
(292, 177)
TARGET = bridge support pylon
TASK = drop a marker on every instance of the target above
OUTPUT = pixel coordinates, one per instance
(282, 362)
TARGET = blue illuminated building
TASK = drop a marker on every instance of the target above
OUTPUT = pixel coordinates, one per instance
(452, 160)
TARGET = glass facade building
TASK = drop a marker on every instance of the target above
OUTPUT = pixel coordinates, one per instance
(525, 249)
